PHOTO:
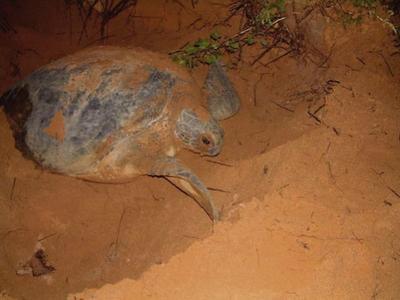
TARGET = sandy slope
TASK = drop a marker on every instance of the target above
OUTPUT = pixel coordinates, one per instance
(326, 230)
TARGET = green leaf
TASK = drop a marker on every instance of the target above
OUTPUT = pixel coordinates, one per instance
(364, 3)
(190, 49)
(215, 35)
(249, 40)
(265, 16)
(202, 44)
(280, 5)
(189, 62)
(232, 45)
(210, 58)
(214, 46)
(179, 59)
(264, 43)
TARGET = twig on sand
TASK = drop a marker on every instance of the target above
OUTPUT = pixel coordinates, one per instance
(326, 151)
(279, 57)
(336, 131)
(327, 57)
(113, 252)
(261, 55)
(330, 172)
(218, 190)
(387, 64)
(255, 86)
(397, 194)
(104, 10)
(319, 108)
(314, 117)
(387, 203)
(191, 237)
(194, 22)
(385, 61)
(360, 60)
(219, 163)
(47, 237)
(283, 107)
(194, 2)
(12, 189)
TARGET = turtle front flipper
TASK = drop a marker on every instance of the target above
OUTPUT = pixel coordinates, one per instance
(188, 181)
(222, 98)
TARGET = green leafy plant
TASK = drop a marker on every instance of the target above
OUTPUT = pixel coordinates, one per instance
(359, 10)
(270, 12)
(349, 18)
(262, 27)
(364, 3)
(204, 50)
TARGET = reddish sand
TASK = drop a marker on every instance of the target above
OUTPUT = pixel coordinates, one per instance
(310, 209)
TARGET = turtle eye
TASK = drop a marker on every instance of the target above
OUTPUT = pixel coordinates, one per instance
(205, 141)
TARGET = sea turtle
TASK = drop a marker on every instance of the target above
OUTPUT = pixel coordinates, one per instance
(108, 114)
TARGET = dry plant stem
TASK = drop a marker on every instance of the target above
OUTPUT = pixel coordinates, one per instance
(13, 188)
(261, 55)
(270, 32)
(394, 192)
(219, 163)
(283, 107)
(386, 63)
(279, 57)
(47, 237)
(85, 16)
(109, 9)
(218, 190)
(115, 244)
(261, 77)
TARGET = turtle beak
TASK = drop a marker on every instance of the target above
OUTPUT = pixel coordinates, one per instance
(214, 151)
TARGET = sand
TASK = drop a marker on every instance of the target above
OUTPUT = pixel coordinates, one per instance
(310, 203)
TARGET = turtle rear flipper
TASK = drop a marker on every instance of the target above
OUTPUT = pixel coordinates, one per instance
(18, 107)
(222, 98)
(173, 169)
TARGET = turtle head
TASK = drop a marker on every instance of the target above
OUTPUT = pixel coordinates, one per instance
(199, 134)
